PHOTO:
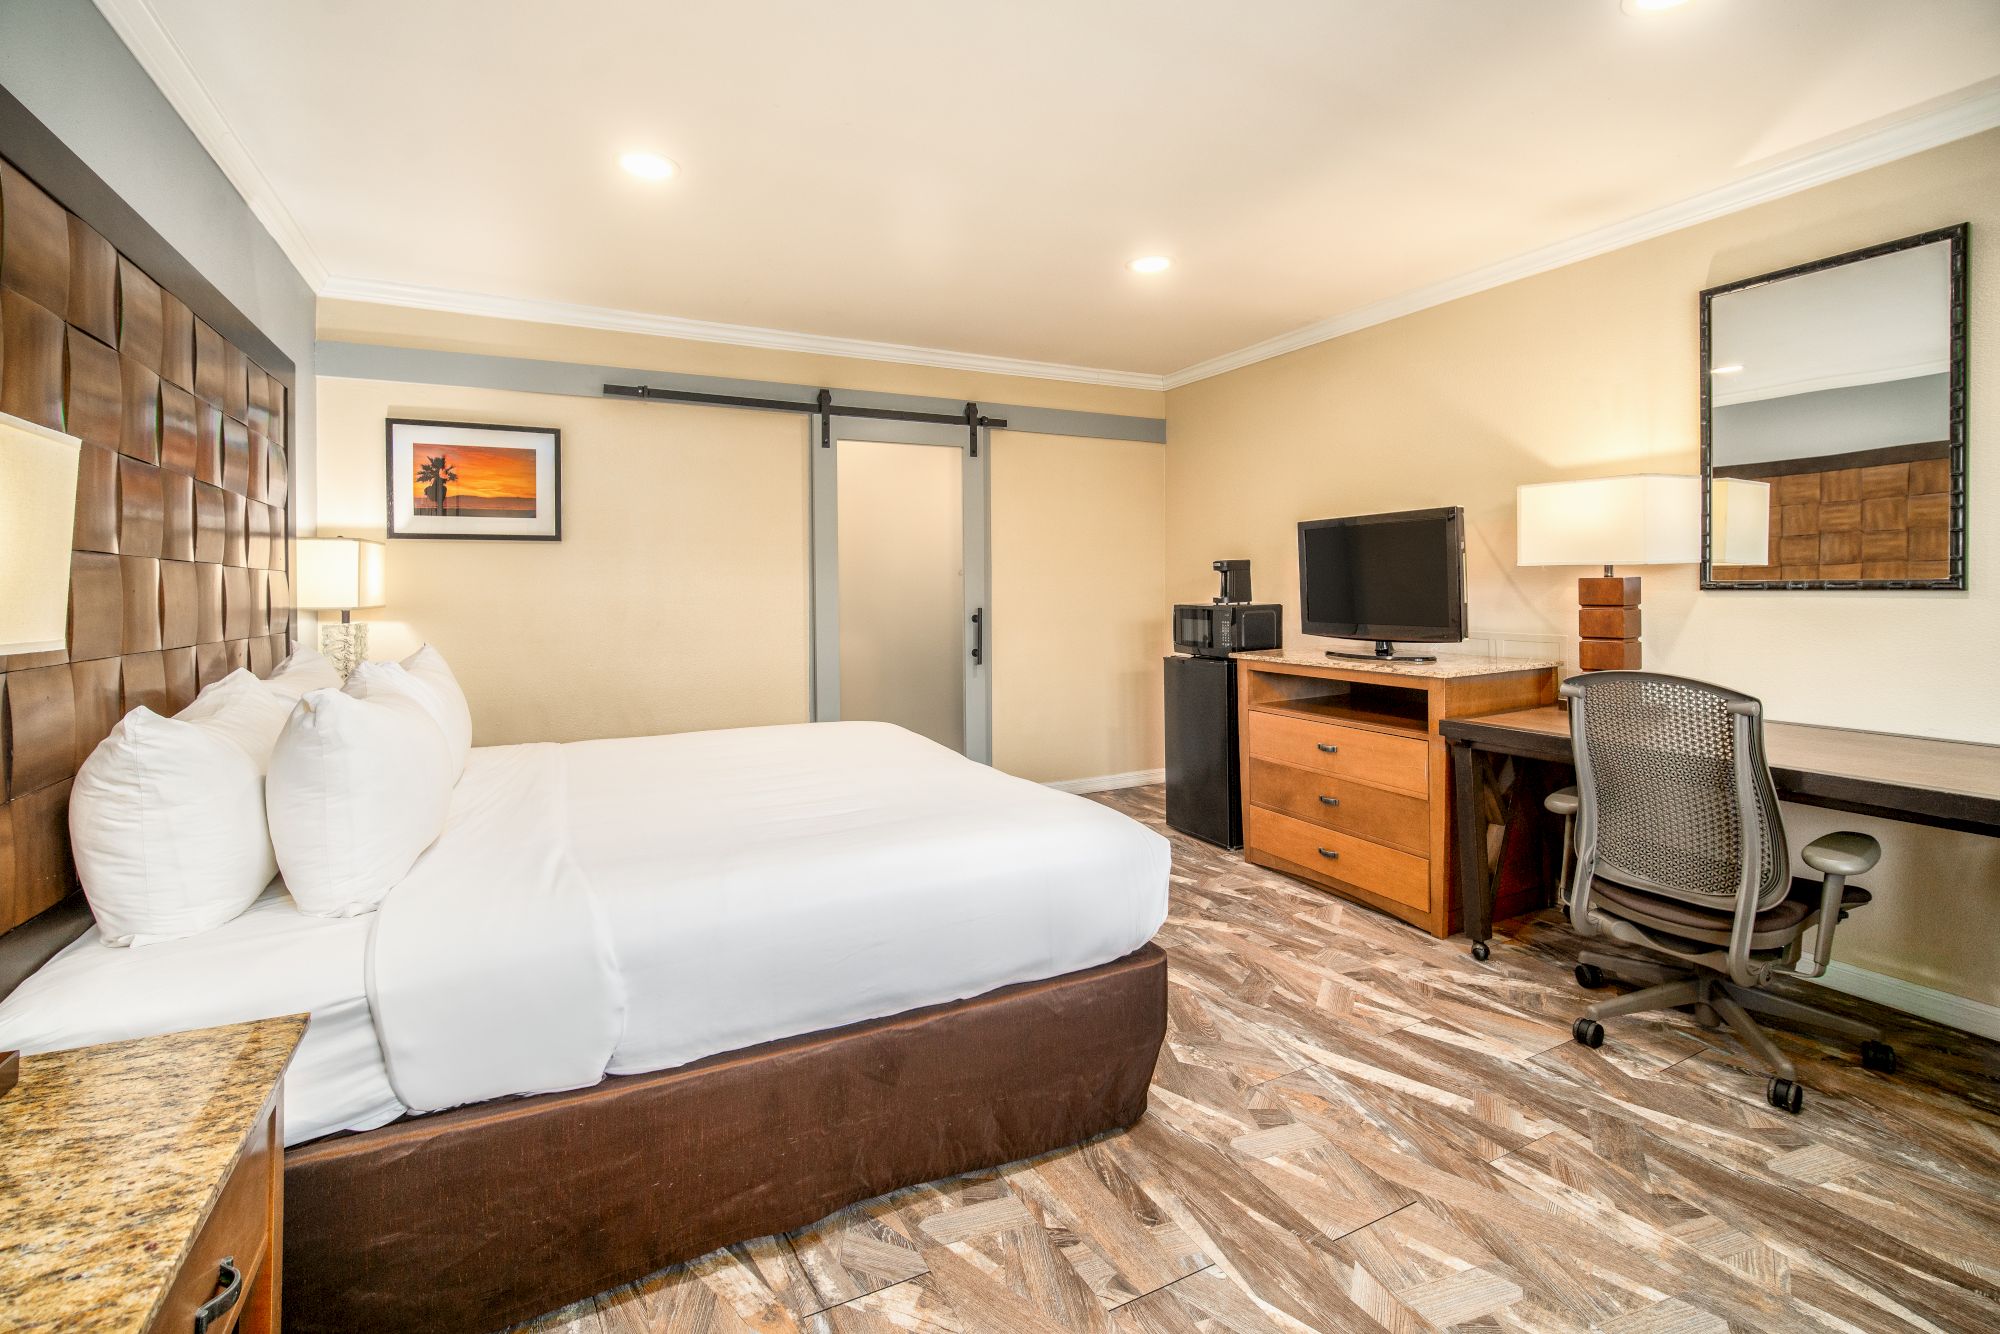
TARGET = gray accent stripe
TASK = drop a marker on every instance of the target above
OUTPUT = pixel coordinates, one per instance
(478, 370)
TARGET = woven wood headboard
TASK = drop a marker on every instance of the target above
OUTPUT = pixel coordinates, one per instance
(183, 520)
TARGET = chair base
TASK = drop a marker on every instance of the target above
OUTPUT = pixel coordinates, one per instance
(1716, 1001)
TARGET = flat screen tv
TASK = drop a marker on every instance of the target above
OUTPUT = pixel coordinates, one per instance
(1384, 577)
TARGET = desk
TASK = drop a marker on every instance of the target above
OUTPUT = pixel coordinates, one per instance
(1918, 780)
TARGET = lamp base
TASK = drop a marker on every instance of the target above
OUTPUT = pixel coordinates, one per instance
(1607, 621)
(345, 644)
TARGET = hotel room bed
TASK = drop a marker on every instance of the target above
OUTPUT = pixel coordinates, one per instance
(859, 960)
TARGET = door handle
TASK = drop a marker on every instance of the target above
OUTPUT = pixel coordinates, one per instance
(1329, 801)
(979, 636)
(1328, 750)
(1329, 854)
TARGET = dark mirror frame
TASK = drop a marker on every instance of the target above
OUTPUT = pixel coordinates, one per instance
(1957, 236)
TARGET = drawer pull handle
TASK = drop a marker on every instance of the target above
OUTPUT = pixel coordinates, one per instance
(1329, 854)
(1326, 749)
(1329, 801)
(231, 1280)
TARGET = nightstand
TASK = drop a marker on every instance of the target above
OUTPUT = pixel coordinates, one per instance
(142, 1184)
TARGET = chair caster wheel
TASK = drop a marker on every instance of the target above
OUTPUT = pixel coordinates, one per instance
(1878, 1056)
(1786, 1096)
(1480, 952)
(1588, 1031)
(1589, 975)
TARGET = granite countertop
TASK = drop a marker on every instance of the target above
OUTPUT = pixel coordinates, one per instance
(1448, 665)
(111, 1158)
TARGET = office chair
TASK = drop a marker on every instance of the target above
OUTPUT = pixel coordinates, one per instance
(1680, 853)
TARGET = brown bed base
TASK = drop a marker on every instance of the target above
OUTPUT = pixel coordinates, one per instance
(472, 1219)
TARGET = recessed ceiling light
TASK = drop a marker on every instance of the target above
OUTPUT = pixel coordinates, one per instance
(1150, 264)
(647, 166)
(1649, 6)
(1726, 370)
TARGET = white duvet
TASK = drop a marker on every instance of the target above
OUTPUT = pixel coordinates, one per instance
(632, 905)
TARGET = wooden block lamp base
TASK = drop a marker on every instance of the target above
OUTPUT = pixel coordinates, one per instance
(1607, 623)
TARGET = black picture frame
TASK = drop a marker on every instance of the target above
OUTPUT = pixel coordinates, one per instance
(554, 436)
(1957, 236)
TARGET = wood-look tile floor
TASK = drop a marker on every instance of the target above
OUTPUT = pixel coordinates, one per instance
(1354, 1126)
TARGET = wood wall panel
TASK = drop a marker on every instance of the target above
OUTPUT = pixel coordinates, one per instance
(98, 687)
(139, 599)
(97, 499)
(141, 317)
(179, 439)
(139, 425)
(180, 605)
(176, 342)
(180, 430)
(31, 360)
(93, 395)
(41, 728)
(177, 521)
(34, 243)
(93, 283)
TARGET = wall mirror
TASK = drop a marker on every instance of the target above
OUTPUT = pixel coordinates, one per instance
(1833, 422)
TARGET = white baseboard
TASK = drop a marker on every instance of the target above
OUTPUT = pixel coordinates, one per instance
(1110, 782)
(1941, 1007)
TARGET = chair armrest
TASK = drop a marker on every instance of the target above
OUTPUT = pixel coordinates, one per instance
(1563, 801)
(1843, 854)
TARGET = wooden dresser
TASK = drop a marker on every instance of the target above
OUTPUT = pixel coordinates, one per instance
(143, 1181)
(1345, 778)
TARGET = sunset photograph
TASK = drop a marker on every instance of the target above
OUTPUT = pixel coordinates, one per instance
(489, 481)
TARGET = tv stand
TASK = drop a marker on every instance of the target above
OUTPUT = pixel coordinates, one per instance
(1384, 652)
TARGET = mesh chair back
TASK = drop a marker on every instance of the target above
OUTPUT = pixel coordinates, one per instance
(1656, 775)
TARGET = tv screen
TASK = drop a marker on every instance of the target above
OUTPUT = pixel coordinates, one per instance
(1384, 576)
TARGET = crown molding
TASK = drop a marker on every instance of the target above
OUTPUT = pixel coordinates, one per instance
(1925, 130)
(456, 302)
(161, 57)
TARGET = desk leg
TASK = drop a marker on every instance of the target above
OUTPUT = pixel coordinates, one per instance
(1475, 882)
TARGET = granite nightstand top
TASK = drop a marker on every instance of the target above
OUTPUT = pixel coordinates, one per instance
(111, 1158)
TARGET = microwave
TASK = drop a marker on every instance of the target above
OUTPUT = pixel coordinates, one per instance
(1218, 629)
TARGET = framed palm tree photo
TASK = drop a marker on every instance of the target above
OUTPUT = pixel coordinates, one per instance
(469, 480)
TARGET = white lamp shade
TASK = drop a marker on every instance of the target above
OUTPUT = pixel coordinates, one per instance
(1740, 521)
(37, 525)
(339, 574)
(1644, 519)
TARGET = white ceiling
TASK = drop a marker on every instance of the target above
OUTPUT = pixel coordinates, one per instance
(975, 176)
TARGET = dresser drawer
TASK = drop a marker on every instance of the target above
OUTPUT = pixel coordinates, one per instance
(1373, 813)
(1401, 762)
(238, 1230)
(1340, 859)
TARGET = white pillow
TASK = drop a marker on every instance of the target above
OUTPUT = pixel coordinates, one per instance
(425, 676)
(244, 709)
(358, 789)
(304, 670)
(167, 817)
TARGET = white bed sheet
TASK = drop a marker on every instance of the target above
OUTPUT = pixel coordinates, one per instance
(754, 884)
(759, 883)
(271, 960)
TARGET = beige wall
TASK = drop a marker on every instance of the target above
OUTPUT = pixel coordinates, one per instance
(677, 599)
(680, 516)
(902, 586)
(1079, 605)
(1592, 370)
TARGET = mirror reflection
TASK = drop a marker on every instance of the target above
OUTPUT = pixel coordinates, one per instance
(1829, 427)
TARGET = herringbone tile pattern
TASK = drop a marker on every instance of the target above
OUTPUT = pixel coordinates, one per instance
(1356, 1127)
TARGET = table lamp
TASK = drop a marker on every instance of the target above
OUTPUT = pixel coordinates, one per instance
(1739, 513)
(1644, 519)
(340, 574)
(37, 522)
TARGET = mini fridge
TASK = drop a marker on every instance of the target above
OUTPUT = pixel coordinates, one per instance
(1204, 788)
